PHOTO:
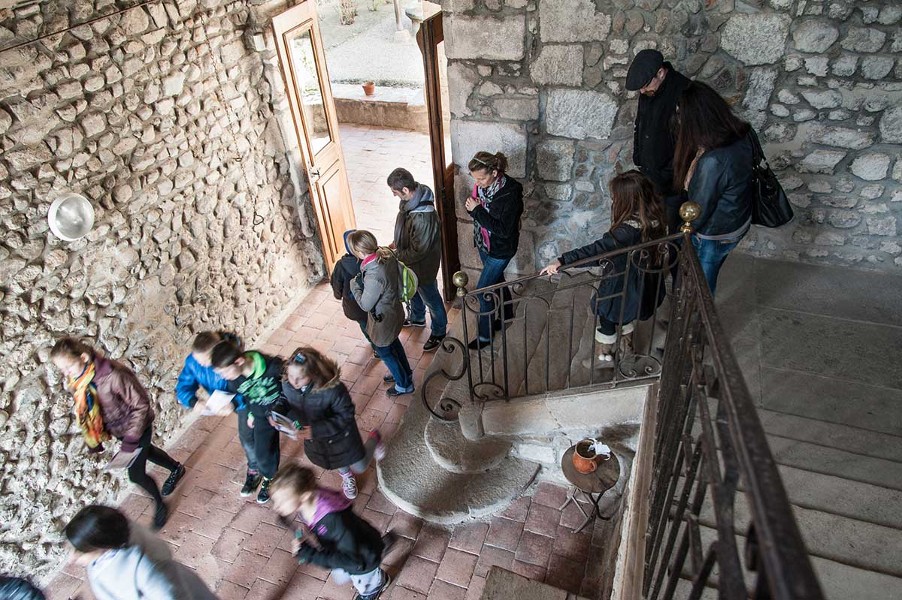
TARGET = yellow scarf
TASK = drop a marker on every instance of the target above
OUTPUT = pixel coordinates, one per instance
(87, 409)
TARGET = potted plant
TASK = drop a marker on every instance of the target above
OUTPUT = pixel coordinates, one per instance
(369, 88)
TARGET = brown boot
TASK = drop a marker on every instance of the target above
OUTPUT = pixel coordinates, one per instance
(626, 345)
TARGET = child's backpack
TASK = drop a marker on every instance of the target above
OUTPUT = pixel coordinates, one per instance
(409, 282)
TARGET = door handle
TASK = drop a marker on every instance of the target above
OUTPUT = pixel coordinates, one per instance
(313, 171)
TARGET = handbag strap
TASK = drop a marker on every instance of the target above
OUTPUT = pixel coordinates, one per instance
(758, 156)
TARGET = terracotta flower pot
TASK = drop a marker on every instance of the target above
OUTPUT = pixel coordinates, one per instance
(584, 458)
(369, 88)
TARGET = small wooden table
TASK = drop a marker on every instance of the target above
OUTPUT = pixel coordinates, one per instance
(591, 485)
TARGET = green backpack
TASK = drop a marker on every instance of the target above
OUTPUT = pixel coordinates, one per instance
(409, 282)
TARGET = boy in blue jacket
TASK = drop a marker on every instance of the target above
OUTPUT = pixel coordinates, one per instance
(198, 373)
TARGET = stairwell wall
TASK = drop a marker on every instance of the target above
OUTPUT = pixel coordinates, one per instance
(543, 81)
(169, 120)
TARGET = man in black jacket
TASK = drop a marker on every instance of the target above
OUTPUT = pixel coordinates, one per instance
(659, 86)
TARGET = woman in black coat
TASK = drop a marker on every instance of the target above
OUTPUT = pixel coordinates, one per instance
(496, 206)
(317, 398)
(637, 216)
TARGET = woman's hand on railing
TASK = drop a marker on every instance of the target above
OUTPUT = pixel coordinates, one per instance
(551, 268)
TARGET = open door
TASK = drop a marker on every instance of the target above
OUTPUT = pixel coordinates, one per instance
(316, 124)
(431, 40)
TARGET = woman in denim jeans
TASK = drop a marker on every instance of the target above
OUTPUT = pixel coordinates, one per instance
(378, 291)
(496, 205)
(713, 163)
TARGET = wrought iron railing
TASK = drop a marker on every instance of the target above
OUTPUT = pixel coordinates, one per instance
(544, 328)
(719, 516)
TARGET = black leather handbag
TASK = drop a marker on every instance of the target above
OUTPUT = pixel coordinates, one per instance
(770, 206)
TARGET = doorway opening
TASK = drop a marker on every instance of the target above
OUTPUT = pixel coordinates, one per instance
(381, 98)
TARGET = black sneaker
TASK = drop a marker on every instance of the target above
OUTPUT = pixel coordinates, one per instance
(160, 517)
(388, 378)
(250, 484)
(393, 391)
(172, 480)
(376, 356)
(378, 593)
(409, 323)
(263, 494)
(433, 342)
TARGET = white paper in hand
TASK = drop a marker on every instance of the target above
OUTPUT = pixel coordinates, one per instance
(218, 402)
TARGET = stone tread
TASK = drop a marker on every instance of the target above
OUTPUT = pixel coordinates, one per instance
(457, 454)
(838, 581)
(501, 584)
(848, 541)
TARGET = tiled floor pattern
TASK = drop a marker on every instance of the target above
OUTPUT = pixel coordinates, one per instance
(241, 548)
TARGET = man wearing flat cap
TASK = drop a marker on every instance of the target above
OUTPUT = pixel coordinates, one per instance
(659, 86)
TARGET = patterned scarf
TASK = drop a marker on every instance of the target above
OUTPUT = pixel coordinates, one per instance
(482, 237)
(87, 409)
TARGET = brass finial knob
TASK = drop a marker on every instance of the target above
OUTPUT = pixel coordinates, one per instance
(460, 281)
(689, 212)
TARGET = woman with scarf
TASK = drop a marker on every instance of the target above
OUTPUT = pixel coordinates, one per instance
(111, 402)
(496, 205)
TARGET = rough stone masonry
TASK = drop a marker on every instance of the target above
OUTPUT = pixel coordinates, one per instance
(168, 123)
(821, 81)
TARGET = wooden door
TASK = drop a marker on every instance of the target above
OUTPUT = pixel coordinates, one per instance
(303, 65)
(431, 38)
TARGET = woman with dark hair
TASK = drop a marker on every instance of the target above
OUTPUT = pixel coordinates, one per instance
(318, 398)
(496, 205)
(637, 216)
(713, 163)
(109, 401)
(126, 562)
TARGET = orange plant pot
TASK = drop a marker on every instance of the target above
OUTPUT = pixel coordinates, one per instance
(369, 88)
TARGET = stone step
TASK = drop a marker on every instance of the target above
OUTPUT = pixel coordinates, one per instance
(841, 539)
(457, 454)
(838, 581)
(416, 483)
(835, 461)
(846, 437)
(853, 499)
(570, 411)
(559, 338)
(501, 584)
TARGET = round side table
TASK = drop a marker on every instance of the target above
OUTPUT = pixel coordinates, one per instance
(592, 485)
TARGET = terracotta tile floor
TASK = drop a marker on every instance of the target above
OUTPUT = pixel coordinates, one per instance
(241, 549)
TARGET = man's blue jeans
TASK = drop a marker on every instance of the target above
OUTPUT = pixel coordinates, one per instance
(711, 255)
(492, 273)
(395, 359)
(428, 296)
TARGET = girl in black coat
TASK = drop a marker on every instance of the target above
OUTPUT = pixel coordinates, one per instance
(637, 216)
(317, 398)
(332, 537)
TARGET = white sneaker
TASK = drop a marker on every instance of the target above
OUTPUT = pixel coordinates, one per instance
(349, 486)
(379, 452)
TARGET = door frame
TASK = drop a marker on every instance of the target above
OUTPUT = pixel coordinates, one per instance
(300, 18)
(429, 36)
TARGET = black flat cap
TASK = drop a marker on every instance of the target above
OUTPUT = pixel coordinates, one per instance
(643, 68)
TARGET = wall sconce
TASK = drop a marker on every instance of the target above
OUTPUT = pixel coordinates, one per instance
(71, 217)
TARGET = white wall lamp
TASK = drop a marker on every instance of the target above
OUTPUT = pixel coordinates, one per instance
(71, 217)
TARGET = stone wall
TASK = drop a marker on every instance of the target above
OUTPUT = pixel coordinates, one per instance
(170, 123)
(543, 81)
